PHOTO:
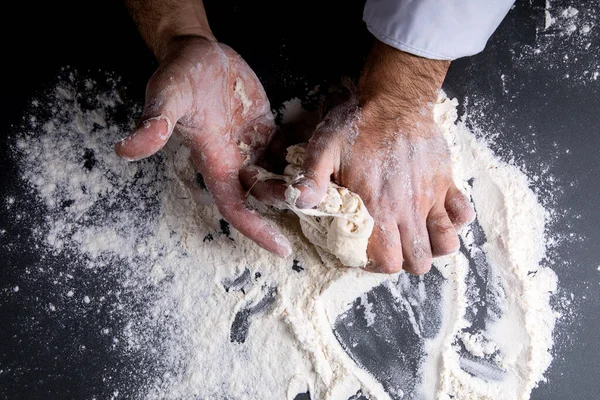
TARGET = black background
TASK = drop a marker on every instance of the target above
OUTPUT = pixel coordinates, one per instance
(294, 46)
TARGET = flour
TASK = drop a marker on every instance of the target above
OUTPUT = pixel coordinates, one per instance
(218, 317)
(476, 345)
(339, 226)
(563, 44)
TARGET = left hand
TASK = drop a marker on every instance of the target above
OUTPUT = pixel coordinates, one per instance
(206, 93)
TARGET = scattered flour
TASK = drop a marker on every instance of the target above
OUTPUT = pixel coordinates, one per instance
(221, 318)
(476, 345)
(368, 310)
(564, 41)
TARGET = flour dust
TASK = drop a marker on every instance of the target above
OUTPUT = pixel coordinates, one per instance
(188, 308)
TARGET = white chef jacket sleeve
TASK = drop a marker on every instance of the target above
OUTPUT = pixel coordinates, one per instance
(436, 29)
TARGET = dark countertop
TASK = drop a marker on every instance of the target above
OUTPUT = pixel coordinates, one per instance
(525, 97)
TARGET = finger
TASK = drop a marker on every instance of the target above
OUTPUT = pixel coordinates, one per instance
(319, 164)
(459, 208)
(442, 235)
(165, 105)
(219, 167)
(416, 249)
(149, 137)
(268, 191)
(384, 249)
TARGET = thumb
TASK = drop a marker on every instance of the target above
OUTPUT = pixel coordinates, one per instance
(149, 137)
(319, 165)
(164, 106)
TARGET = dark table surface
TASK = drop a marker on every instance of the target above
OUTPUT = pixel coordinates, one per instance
(547, 100)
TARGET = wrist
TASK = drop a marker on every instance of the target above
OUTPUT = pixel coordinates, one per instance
(397, 83)
(172, 33)
(161, 24)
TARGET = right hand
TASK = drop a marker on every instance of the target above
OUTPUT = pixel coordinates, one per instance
(383, 144)
(208, 95)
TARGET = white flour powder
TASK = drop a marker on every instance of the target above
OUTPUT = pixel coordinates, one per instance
(225, 319)
(563, 38)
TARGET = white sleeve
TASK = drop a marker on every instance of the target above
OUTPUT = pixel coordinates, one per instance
(437, 29)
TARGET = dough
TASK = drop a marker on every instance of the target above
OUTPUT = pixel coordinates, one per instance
(340, 225)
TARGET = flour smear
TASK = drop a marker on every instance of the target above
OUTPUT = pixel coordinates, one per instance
(211, 315)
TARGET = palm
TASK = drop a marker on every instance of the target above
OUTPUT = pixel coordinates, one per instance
(221, 112)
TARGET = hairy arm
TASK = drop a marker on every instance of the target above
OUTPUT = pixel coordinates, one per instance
(159, 21)
(394, 83)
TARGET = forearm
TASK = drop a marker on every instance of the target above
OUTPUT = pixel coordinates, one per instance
(395, 82)
(159, 21)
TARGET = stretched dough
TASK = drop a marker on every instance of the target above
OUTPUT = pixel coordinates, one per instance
(340, 225)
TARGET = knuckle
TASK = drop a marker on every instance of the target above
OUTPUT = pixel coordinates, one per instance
(310, 195)
(231, 210)
(442, 225)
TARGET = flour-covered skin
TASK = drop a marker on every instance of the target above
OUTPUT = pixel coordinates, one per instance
(206, 93)
(339, 226)
(382, 143)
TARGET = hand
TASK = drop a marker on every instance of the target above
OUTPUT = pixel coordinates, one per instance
(384, 145)
(208, 95)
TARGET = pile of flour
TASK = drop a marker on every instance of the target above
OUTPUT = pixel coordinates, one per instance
(222, 318)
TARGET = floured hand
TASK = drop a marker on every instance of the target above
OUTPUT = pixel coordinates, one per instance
(206, 93)
(383, 144)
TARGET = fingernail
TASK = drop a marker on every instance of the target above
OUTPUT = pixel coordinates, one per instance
(303, 182)
(119, 152)
(285, 247)
(163, 135)
(305, 193)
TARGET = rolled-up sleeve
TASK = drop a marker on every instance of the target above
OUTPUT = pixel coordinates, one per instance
(437, 29)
